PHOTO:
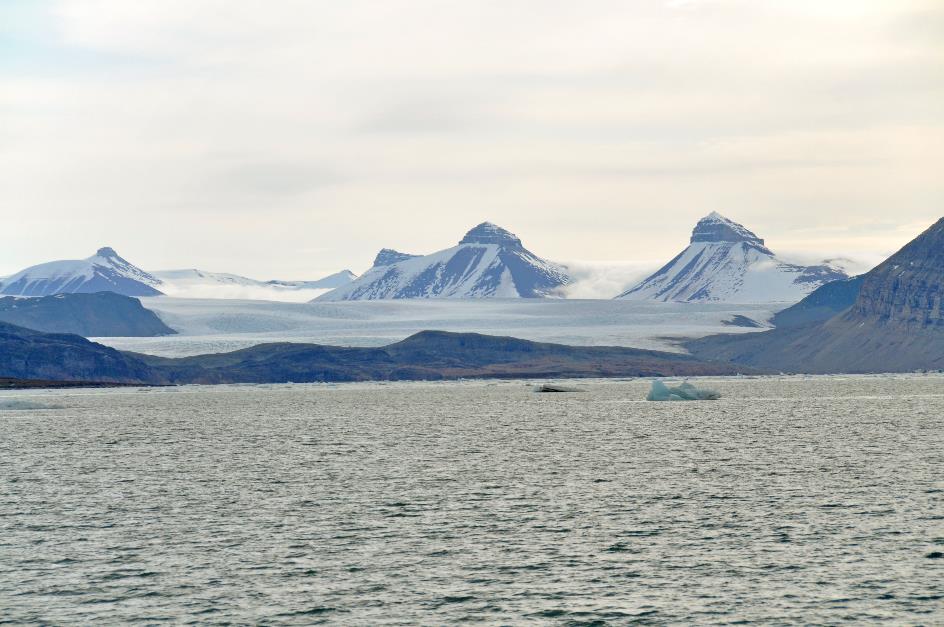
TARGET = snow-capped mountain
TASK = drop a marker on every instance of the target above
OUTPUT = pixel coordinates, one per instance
(193, 283)
(489, 262)
(105, 271)
(726, 262)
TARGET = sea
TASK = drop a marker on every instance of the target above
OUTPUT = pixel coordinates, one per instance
(789, 501)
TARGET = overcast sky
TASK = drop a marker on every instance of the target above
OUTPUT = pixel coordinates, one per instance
(292, 138)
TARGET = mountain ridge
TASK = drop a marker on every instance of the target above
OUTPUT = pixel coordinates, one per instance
(105, 271)
(28, 355)
(488, 262)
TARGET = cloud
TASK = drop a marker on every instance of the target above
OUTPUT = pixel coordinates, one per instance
(597, 279)
(600, 129)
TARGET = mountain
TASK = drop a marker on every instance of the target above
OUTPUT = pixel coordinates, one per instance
(104, 314)
(895, 323)
(105, 271)
(428, 355)
(726, 262)
(489, 262)
(30, 355)
(821, 304)
(193, 283)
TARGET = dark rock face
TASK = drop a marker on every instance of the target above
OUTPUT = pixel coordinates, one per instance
(717, 228)
(488, 233)
(822, 304)
(104, 314)
(908, 287)
(27, 354)
(389, 256)
(893, 325)
(742, 321)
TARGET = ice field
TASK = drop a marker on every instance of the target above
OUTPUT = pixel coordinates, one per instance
(213, 325)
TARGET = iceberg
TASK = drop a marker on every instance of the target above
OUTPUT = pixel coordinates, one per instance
(684, 392)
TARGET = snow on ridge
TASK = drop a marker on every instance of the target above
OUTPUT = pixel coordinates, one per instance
(726, 262)
(103, 271)
(488, 262)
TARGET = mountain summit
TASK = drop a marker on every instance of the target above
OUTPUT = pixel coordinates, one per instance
(488, 262)
(488, 233)
(726, 262)
(105, 271)
(716, 228)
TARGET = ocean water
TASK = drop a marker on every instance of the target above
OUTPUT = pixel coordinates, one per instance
(815, 500)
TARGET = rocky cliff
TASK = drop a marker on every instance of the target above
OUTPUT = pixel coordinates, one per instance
(893, 325)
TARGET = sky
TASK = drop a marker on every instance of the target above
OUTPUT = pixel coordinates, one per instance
(295, 138)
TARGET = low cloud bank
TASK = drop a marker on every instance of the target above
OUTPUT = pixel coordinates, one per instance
(605, 279)
(240, 292)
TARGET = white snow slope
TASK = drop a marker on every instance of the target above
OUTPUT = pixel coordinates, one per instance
(726, 262)
(192, 283)
(103, 271)
(489, 262)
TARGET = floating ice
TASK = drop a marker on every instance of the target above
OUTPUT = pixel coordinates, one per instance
(684, 392)
(13, 404)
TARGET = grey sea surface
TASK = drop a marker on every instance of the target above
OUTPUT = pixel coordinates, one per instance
(794, 500)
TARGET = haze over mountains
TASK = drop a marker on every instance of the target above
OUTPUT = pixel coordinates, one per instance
(193, 283)
(725, 262)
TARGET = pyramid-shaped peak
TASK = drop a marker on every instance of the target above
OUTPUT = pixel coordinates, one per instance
(107, 252)
(488, 233)
(716, 228)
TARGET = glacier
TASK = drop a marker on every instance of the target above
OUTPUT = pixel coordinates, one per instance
(218, 325)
